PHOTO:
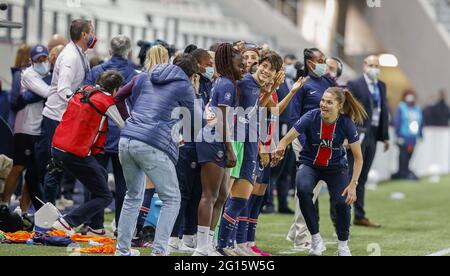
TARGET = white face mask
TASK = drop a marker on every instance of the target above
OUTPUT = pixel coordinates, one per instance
(321, 69)
(209, 74)
(42, 68)
(410, 99)
(291, 71)
(373, 73)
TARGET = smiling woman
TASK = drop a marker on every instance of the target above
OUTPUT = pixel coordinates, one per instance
(324, 158)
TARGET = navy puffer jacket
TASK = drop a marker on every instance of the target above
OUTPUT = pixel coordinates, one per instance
(151, 122)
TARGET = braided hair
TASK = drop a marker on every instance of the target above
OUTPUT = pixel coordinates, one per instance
(308, 54)
(224, 64)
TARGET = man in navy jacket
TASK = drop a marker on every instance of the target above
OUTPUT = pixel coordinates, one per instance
(371, 92)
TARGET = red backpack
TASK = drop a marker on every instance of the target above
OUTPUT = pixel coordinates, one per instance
(82, 130)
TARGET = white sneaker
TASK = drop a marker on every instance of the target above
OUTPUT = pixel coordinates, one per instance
(214, 253)
(97, 233)
(61, 224)
(198, 253)
(177, 246)
(132, 253)
(344, 252)
(317, 248)
(240, 250)
(67, 202)
(302, 247)
(243, 248)
(18, 211)
(113, 225)
(190, 241)
(232, 252)
(60, 205)
(211, 250)
(64, 203)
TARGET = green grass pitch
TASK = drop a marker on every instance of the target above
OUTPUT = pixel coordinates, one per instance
(414, 226)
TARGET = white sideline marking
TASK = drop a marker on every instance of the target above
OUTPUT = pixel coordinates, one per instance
(444, 252)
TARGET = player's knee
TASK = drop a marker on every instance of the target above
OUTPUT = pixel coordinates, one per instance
(210, 197)
(340, 204)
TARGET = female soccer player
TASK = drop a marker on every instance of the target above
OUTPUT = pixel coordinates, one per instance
(307, 99)
(256, 200)
(251, 58)
(247, 148)
(216, 156)
(323, 158)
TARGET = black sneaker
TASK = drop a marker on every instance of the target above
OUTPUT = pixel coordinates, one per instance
(286, 211)
(268, 209)
(83, 230)
(9, 221)
(145, 238)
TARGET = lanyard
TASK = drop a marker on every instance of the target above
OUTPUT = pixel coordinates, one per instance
(83, 61)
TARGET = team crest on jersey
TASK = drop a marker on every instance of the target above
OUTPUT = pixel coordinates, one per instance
(325, 143)
(220, 156)
(193, 165)
(228, 96)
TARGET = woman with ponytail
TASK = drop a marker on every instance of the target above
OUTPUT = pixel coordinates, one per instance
(156, 55)
(323, 157)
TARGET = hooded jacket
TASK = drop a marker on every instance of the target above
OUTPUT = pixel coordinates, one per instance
(152, 121)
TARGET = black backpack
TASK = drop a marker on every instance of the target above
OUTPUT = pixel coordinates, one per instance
(10, 222)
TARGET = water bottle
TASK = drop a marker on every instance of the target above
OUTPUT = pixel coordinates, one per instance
(93, 243)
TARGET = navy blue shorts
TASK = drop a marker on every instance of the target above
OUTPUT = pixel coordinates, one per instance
(24, 149)
(264, 175)
(212, 153)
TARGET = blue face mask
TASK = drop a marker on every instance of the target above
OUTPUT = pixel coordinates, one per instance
(321, 69)
(42, 68)
(291, 71)
(209, 74)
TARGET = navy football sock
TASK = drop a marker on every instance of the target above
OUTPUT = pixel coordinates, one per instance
(229, 218)
(253, 218)
(242, 229)
(145, 209)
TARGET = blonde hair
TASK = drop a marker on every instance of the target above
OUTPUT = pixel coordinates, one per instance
(54, 53)
(23, 56)
(156, 55)
(351, 106)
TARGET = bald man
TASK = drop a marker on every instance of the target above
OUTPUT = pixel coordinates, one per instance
(371, 92)
(57, 40)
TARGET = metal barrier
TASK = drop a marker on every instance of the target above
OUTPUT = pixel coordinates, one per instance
(432, 155)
